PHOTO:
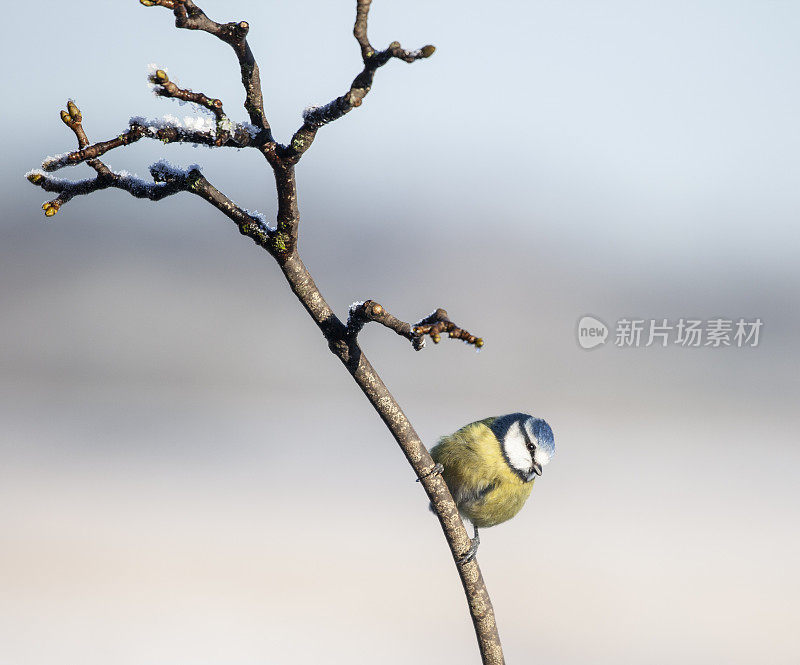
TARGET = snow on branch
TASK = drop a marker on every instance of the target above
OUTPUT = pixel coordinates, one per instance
(194, 130)
(167, 178)
(190, 17)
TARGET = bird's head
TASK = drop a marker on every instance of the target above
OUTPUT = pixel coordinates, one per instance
(526, 442)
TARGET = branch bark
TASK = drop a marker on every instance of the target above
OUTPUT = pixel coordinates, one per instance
(434, 325)
(344, 345)
(315, 117)
(190, 17)
(282, 243)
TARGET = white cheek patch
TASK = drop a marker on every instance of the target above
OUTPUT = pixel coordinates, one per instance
(516, 449)
(541, 456)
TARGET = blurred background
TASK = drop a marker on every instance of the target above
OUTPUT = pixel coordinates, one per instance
(189, 476)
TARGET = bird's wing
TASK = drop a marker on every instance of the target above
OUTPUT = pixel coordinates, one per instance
(464, 457)
(469, 496)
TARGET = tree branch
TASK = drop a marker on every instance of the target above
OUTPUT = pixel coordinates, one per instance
(155, 191)
(281, 242)
(317, 116)
(167, 130)
(434, 325)
(166, 88)
(346, 348)
(225, 129)
(167, 180)
(189, 16)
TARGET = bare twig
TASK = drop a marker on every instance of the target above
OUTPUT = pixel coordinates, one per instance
(282, 242)
(189, 16)
(224, 127)
(74, 120)
(434, 325)
(166, 88)
(437, 323)
(317, 116)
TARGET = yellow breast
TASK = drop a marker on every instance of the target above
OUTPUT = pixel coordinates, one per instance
(485, 489)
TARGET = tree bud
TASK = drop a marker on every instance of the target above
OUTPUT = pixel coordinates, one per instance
(74, 111)
(50, 208)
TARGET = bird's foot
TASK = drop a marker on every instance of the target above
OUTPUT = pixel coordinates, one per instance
(438, 468)
(472, 551)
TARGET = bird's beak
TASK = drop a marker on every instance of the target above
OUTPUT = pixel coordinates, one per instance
(537, 469)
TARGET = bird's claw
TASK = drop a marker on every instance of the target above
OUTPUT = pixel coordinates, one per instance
(438, 468)
(472, 551)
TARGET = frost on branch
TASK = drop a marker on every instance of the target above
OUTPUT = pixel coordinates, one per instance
(189, 123)
(163, 171)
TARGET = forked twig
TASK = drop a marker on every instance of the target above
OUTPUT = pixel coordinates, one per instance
(433, 325)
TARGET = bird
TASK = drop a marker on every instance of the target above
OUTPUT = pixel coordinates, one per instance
(490, 465)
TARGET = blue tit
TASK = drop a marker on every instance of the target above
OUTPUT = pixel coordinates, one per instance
(490, 465)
